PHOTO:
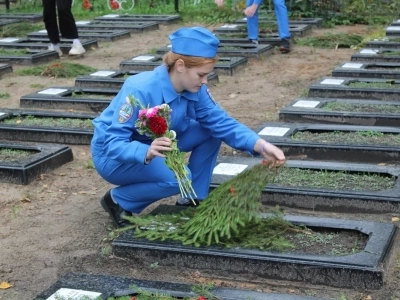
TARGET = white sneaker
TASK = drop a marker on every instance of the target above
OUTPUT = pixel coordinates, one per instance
(52, 48)
(77, 49)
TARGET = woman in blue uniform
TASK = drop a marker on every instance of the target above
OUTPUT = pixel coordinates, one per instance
(135, 163)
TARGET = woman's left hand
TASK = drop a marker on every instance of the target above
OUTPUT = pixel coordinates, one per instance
(271, 153)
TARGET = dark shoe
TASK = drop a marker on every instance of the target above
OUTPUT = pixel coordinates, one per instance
(189, 204)
(285, 46)
(116, 212)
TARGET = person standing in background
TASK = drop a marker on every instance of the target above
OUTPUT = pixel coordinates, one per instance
(282, 18)
(66, 25)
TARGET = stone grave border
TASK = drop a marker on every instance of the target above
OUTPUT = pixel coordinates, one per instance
(24, 171)
(57, 98)
(363, 270)
(61, 135)
(308, 109)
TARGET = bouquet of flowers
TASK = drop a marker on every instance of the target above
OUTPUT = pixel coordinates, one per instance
(154, 123)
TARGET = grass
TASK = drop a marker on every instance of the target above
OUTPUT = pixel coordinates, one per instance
(49, 122)
(14, 52)
(361, 107)
(19, 29)
(375, 85)
(331, 41)
(11, 154)
(333, 180)
(57, 70)
(96, 95)
(4, 95)
(348, 137)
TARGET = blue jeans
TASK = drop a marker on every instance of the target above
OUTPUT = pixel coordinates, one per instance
(281, 18)
(139, 185)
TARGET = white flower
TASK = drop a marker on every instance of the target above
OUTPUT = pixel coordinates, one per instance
(172, 134)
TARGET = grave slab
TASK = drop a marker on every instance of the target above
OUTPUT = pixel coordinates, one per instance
(42, 158)
(318, 199)
(353, 111)
(233, 49)
(314, 22)
(282, 135)
(164, 19)
(386, 42)
(26, 17)
(378, 55)
(4, 22)
(29, 57)
(371, 88)
(241, 38)
(385, 70)
(146, 62)
(393, 30)
(117, 25)
(295, 30)
(63, 134)
(5, 68)
(42, 44)
(98, 35)
(70, 98)
(116, 286)
(362, 270)
(114, 79)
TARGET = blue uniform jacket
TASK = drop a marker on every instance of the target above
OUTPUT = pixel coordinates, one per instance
(114, 130)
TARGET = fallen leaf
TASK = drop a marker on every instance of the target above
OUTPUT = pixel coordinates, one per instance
(291, 291)
(25, 200)
(232, 96)
(395, 219)
(5, 285)
(367, 297)
(62, 174)
(82, 192)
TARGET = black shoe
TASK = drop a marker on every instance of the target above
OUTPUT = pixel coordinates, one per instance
(189, 204)
(285, 46)
(116, 212)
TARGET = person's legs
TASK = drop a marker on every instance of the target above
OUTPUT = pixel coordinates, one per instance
(68, 27)
(140, 185)
(50, 21)
(252, 24)
(283, 24)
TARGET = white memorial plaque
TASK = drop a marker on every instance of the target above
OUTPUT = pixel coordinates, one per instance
(394, 28)
(229, 169)
(52, 91)
(169, 46)
(369, 51)
(275, 131)
(352, 65)
(306, 103)
(72, 294)
(111, 16)
(244, 19)
(229, 26)
(143, 57)
(42, 31)
(1, 114)
(102, 73)
(9, 40)
(82, 22)
(332, 81)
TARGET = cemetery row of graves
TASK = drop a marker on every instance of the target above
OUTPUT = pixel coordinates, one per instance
(347, 126)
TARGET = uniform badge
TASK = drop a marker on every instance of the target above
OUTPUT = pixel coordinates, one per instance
(125, 113)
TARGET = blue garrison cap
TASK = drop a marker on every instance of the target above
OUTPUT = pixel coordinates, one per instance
(194, 41)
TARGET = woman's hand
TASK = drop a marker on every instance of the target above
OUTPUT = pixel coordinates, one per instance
(157, 147)
(271, 153)
(251, 10)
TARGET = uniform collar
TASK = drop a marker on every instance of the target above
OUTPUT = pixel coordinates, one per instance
(168, 91)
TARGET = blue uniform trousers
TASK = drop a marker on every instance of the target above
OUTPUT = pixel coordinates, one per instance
(139, 185)
(281, 17)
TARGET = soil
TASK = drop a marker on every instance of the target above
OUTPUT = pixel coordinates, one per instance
(62, 228)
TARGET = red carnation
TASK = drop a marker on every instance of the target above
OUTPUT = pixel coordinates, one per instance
(201, 298)
(157, 125)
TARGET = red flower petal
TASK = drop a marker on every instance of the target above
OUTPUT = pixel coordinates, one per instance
(157, 125)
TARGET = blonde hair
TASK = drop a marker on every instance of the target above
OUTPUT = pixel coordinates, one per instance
(170, 59)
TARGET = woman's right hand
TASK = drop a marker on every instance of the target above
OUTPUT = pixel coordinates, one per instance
(157, 147)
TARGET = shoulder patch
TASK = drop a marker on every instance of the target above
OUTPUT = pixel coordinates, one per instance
(125, 113)
(211, 97)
